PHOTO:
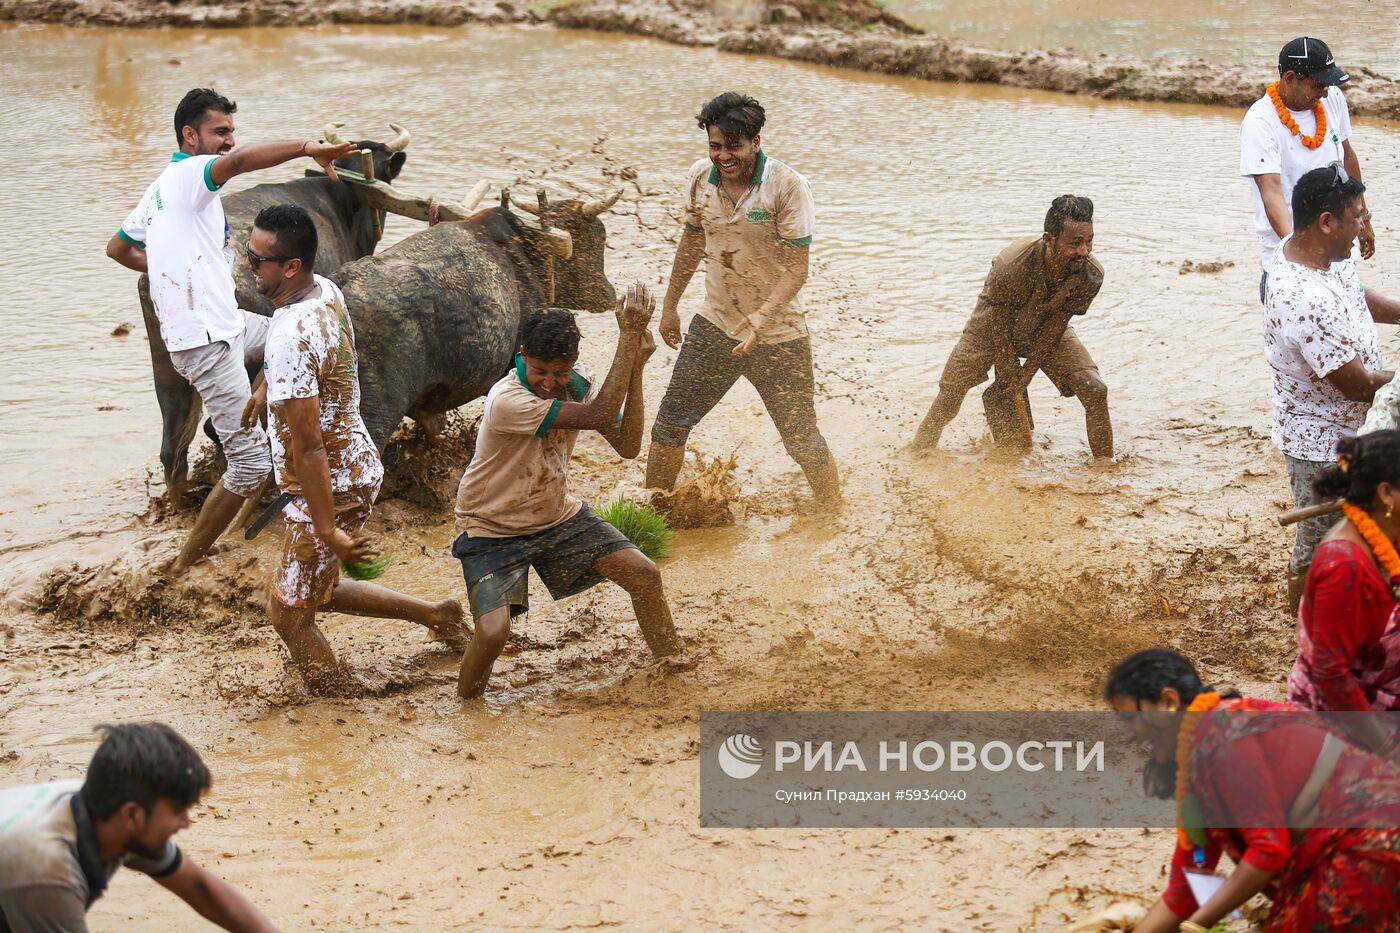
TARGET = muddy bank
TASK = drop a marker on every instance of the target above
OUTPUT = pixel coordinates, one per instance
(850, 34)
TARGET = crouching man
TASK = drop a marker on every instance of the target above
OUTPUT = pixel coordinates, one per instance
(322, 454)
(514, 510)
(62, 842)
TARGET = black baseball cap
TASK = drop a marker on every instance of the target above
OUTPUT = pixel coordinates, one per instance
(1311, 58)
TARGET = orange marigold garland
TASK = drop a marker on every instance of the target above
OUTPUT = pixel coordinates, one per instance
(1319, 114)
(1189, 834)
(1380, 544)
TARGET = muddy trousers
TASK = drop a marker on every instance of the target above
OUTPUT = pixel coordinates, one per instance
(782, 373)
(216, 371)
(1309, 532)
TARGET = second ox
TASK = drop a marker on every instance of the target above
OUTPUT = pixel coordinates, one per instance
(437, 316)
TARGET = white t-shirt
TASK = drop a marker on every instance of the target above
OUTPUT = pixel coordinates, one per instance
(311, 353)
(1314, 323)
(180, 222)
(1267, 147)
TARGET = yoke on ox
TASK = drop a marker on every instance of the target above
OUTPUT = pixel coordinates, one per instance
(347, 230)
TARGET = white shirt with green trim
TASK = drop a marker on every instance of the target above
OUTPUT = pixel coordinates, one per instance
(180, 222)
(745, 243)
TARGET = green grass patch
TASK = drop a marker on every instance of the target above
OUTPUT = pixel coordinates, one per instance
(641, 524)
(367, 571)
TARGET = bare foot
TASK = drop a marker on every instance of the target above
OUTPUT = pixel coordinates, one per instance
(450, 625)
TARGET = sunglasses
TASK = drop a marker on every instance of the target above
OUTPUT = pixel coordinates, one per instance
(258, 259)
(1340, 177)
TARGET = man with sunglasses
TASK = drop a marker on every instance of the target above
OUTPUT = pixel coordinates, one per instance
(178, 235)
(1301, 123)
(322, 454)
(1320, 340)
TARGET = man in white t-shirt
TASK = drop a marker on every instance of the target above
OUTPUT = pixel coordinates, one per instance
(1301, 123)
(322, 454)
(178, 235)
(61, 843)
(1320, 341)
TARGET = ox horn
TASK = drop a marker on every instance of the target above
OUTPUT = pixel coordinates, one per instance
(400, 141)
(532, 209)
(331, 134)
(595, 207)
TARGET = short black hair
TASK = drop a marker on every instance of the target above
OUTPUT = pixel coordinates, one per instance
(1068, 207)
(194, 105)
(1322, 191)
(142, 762)
(296, 234)
(551, 334)
(737, 116)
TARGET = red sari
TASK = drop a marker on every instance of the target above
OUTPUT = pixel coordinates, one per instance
(1348, 634)
(1325, 878)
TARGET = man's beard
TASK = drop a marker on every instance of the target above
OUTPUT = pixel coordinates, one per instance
(136, 847)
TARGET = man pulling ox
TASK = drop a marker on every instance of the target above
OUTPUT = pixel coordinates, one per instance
(178, 234)
(750, 217)
(1301, 123)
(514, 510)
(1320, 341)
(1033, 289)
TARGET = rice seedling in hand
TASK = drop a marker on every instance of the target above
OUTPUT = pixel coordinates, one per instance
(641, 524)
(368, 570)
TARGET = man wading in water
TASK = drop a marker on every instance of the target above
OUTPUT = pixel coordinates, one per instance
(1301, 123)
(514, 510)
(179, 236)
(751, 218)
(1035, 286)
(1321, 343)
(321, 451)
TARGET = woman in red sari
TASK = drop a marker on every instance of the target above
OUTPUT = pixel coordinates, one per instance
(1263, 766)
(1348, 636)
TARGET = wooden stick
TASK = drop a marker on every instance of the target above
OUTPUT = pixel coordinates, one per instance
(475, 196)
(367, 164)
(1312, 511)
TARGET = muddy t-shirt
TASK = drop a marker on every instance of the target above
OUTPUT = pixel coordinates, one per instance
(1019, 288)
(311, 352)
(517, 482)
(745, 242)
(1315, 322)
(51, 870)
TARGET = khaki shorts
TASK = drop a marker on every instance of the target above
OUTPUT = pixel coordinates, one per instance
(972, 359)
(309, 569)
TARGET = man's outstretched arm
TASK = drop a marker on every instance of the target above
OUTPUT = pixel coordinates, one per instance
(634, 310)
(215, 899)
(258, 156)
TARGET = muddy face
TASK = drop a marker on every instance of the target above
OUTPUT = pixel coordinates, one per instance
(734, 155)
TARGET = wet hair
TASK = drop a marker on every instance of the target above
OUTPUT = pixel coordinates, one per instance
(551, 334)
(1371, 459)
(142, 762)
(1322, 191)
(1068, 207)
(296, 234)
(738, 116)
(1143, 675)
(195, 105)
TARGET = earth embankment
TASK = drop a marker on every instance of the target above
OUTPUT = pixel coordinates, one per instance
(852, 34)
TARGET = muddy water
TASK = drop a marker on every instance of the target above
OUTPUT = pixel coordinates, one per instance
(1359, 32)
(568, 798)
